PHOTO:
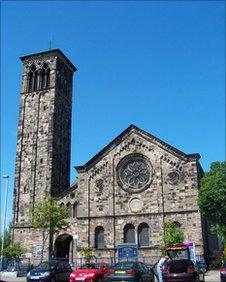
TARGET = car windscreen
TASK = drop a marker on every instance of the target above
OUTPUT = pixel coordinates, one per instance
(178, 254)
(124, 265)
(89, 266)
(46, 265)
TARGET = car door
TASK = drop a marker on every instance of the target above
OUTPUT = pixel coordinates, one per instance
(67, 271)
(146, 272)
(63, 271)
(57, 272)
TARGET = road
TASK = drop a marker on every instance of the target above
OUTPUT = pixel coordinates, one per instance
(210, 276)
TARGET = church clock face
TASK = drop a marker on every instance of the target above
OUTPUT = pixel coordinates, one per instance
(134, 173)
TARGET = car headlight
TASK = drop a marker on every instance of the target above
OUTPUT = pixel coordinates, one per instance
(72, 275)
(90, 275)
(46, 273)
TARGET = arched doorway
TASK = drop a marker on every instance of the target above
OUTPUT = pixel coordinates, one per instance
(64, 246)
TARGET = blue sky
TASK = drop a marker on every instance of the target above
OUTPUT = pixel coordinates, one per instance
(157, 64)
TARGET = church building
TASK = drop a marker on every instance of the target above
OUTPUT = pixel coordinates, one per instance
(124, 194)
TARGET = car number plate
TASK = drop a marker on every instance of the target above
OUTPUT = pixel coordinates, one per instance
(120, 272)
(35, 277)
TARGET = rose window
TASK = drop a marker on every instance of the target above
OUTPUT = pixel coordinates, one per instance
(134, 173)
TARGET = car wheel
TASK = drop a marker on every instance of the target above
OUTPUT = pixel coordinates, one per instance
(53, 279)
(99, 279)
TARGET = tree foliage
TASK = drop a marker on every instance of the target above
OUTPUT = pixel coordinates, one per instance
(13, 251)
(172, 235)
(87, 253)
(212, 198)
(48, 216)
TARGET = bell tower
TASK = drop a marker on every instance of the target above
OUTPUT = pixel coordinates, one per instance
(44, 136)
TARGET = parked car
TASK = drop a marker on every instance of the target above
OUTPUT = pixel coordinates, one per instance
(180, 266)
(223, 272)
(131, 271)
(90, 272)
(50, 271)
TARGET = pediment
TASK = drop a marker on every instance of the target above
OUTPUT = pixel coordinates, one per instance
(132, 129)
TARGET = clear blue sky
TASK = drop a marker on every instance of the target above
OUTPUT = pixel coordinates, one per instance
(158, 65)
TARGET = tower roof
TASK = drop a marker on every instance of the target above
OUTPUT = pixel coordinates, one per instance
(57, 52)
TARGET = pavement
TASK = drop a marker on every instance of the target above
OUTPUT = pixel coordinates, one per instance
(210, 276)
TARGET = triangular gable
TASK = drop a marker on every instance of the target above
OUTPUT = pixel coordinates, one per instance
(132, 128)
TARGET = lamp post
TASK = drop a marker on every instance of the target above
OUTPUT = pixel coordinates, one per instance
(6, 177)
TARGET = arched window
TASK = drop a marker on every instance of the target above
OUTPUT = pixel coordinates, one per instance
(74, 211)
(43, 79)
(35, 80)
(129, 233)
(99, 237)
(47, 78)
(62, 205)
(31, 77)
(143, 235)
(30, 81)
(69, 209)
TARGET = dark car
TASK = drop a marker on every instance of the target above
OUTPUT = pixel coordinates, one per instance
(223, 272)
(90, 272)
(50, 271)
(180, 267)
(131, 271)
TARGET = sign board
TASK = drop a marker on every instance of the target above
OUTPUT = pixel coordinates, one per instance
(191, 246)
(38, 251)
(127, 251)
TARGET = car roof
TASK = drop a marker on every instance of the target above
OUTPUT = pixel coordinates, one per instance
(179, 246)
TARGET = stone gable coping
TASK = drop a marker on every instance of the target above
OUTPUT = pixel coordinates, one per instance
(133, 128)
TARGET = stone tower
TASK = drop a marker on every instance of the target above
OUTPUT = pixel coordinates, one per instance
(44, 138)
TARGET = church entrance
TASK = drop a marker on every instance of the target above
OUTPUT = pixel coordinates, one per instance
(64, 246)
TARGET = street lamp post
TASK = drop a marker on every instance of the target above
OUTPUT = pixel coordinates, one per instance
(6, 177)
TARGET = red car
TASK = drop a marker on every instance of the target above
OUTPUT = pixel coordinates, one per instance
(90, 272)
(223, 272)
(180, 267)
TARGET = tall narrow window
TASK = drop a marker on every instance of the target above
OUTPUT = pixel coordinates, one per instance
(47, 78)
(43, 79)
(129, 233)
(30, 81)
(99, 237)
(69, 209)
(74, 212)
(35, 80)
(31, 78)
(62, 205)
(143, 235)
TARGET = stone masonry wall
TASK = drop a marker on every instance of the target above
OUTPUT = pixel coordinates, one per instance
(172, 192)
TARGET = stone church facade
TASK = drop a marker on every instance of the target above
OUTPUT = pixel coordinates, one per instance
(124, 194)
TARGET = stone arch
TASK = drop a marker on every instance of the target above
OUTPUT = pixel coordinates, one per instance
(63, 246)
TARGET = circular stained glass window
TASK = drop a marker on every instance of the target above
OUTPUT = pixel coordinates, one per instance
(134, 173)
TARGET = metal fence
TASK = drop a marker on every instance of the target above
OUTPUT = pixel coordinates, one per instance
(23, 265)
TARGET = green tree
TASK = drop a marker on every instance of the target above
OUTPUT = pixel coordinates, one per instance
(13, 251)
(212, 198)
(172, 235)
(48, 216)
(87, 253)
